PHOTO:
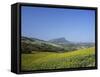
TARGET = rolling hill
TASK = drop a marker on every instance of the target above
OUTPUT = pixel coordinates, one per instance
(33, 44)
(30, 45)
(53, 60)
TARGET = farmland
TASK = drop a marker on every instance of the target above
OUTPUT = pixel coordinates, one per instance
(52, 60)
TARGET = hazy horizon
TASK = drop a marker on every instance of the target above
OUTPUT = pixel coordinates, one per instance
(51, 23)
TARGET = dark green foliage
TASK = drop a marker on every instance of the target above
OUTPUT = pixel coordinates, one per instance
(26, 48)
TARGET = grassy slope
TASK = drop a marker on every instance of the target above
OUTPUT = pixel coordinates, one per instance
(52, 60)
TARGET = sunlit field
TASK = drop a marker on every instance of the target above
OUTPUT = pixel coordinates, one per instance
(53, 60)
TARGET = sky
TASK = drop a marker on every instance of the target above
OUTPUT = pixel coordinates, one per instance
(49, 23)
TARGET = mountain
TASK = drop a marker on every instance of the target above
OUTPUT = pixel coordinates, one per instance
(60, 41)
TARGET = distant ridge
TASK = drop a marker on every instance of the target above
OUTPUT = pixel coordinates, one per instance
(61, 40)
(30, 38)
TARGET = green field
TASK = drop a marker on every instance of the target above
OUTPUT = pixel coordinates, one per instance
(53, 60)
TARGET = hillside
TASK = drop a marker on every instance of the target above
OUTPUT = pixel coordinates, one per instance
(52, 60)
(30, 45)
